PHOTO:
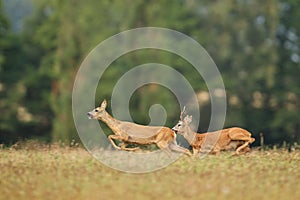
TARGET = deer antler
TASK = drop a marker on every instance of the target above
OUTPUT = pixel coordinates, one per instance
(182, 112)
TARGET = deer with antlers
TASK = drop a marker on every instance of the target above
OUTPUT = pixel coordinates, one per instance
(235, 138)
(131, 133)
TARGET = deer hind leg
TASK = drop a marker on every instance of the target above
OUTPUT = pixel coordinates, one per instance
(242, 148)
(242, 137)
(246, 149)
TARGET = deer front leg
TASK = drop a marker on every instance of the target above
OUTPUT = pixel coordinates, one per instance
(163, 146)
(216, 150)
(175, 147)
(115, 137)
(195, 152)
(208, 149)
(120, 138)
(123, 147)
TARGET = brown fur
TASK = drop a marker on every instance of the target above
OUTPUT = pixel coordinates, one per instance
(128, 132)
(235, 138)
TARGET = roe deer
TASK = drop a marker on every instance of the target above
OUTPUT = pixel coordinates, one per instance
(129, 132)
(235, 138)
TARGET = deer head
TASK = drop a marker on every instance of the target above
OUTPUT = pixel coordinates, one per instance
(183, 123)
(99, 112)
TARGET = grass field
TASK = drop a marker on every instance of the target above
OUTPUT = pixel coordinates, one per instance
(42, 172)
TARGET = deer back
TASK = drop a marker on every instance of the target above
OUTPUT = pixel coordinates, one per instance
(137, 130)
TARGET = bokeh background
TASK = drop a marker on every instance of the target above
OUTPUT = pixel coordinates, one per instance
(255, 45)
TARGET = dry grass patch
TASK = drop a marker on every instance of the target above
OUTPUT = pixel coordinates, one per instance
(53, 172)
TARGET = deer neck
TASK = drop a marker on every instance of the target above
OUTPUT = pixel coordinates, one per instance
(190, 135)
(111, 122)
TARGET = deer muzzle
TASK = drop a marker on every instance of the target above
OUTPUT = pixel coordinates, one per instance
(90, 115)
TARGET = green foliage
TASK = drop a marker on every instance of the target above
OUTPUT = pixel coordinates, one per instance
(10, 90)
(288, 65)
(24, 89)
(254, 44)
(242, 41)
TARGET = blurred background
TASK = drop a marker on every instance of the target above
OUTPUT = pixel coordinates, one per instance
(255, 45)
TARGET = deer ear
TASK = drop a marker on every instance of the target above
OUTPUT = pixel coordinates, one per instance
(188, 119)
(104, 104)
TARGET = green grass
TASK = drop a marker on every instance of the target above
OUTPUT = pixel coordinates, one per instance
(53, 172)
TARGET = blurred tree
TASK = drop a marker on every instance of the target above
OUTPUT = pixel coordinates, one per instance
(241, 38)
(5, 126)
(16, 11)
(255, 45)
(24, 88)
(287, 92)
(81, 26)
(13, 116)
(3, 32)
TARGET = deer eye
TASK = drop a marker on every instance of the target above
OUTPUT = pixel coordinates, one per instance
(96, 110)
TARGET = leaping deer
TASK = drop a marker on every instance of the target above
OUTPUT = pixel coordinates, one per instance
(235, 138)
(128, 132)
